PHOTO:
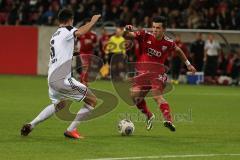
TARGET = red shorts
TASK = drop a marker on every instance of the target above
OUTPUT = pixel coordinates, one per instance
(147, 81)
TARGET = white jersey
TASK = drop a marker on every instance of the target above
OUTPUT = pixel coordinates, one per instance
(61, 48)
(212, 48)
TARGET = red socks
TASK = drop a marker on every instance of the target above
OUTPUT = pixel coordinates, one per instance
(165, 109)
(144, 109)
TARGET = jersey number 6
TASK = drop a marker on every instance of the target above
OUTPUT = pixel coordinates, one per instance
(52, 54)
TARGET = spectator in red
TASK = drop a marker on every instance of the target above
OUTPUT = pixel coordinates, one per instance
(103, 40)
(87, 42)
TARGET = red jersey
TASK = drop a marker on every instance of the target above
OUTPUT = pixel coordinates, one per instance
(137, 49)
(152, 50)
(103, 42)
(87, 42)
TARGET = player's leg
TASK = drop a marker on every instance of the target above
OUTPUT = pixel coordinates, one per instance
(138, 99)
(137, 96)
(86, 61)
(90, 102)
(164, 108)
(44, 115)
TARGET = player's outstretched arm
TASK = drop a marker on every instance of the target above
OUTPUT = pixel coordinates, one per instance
(87, 27)
(190, 67)
(128, 32)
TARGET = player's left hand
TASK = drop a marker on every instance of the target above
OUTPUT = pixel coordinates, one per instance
(191, 68)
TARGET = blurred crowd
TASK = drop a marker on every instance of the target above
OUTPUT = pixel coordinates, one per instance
(204, 14)
(208, 57)
(205, 53)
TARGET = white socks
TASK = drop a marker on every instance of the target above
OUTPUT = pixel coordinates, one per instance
(45, 114)
(50, 110)
(82, 113)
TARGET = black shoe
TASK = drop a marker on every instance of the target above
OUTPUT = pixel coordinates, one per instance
(26, 129)
(169, 125)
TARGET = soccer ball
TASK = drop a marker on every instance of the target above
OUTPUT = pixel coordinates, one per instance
(126, 127)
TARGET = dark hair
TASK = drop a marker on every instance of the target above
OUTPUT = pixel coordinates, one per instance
(64, 15)
(161, 19)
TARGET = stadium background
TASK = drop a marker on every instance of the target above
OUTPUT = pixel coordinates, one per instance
(206, 117)
(32, 22)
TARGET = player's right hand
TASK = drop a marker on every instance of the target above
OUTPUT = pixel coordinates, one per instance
(192, 69)
(128, 28)
(95, 18)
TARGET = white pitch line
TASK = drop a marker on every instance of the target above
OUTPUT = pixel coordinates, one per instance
(208, 94)
(169, 156)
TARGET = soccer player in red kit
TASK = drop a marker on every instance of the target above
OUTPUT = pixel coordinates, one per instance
(155, 47)
(87, 44)
(103, 40)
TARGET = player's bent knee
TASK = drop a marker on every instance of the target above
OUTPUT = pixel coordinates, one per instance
(61, 105)
(137, 96)
(134, 97)
(138, 100)
(93, 101)
(90, 99)
(160, 100)
(135, 93)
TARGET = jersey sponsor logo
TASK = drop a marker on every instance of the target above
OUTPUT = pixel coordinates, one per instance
(153, 52)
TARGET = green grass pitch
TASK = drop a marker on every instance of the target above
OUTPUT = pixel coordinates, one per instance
(207, 121)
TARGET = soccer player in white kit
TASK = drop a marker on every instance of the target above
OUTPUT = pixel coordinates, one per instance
(63, 89)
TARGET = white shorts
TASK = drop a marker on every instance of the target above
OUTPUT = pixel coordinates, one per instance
(66, 89)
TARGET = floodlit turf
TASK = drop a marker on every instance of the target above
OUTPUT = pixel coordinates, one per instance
(207, 121)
